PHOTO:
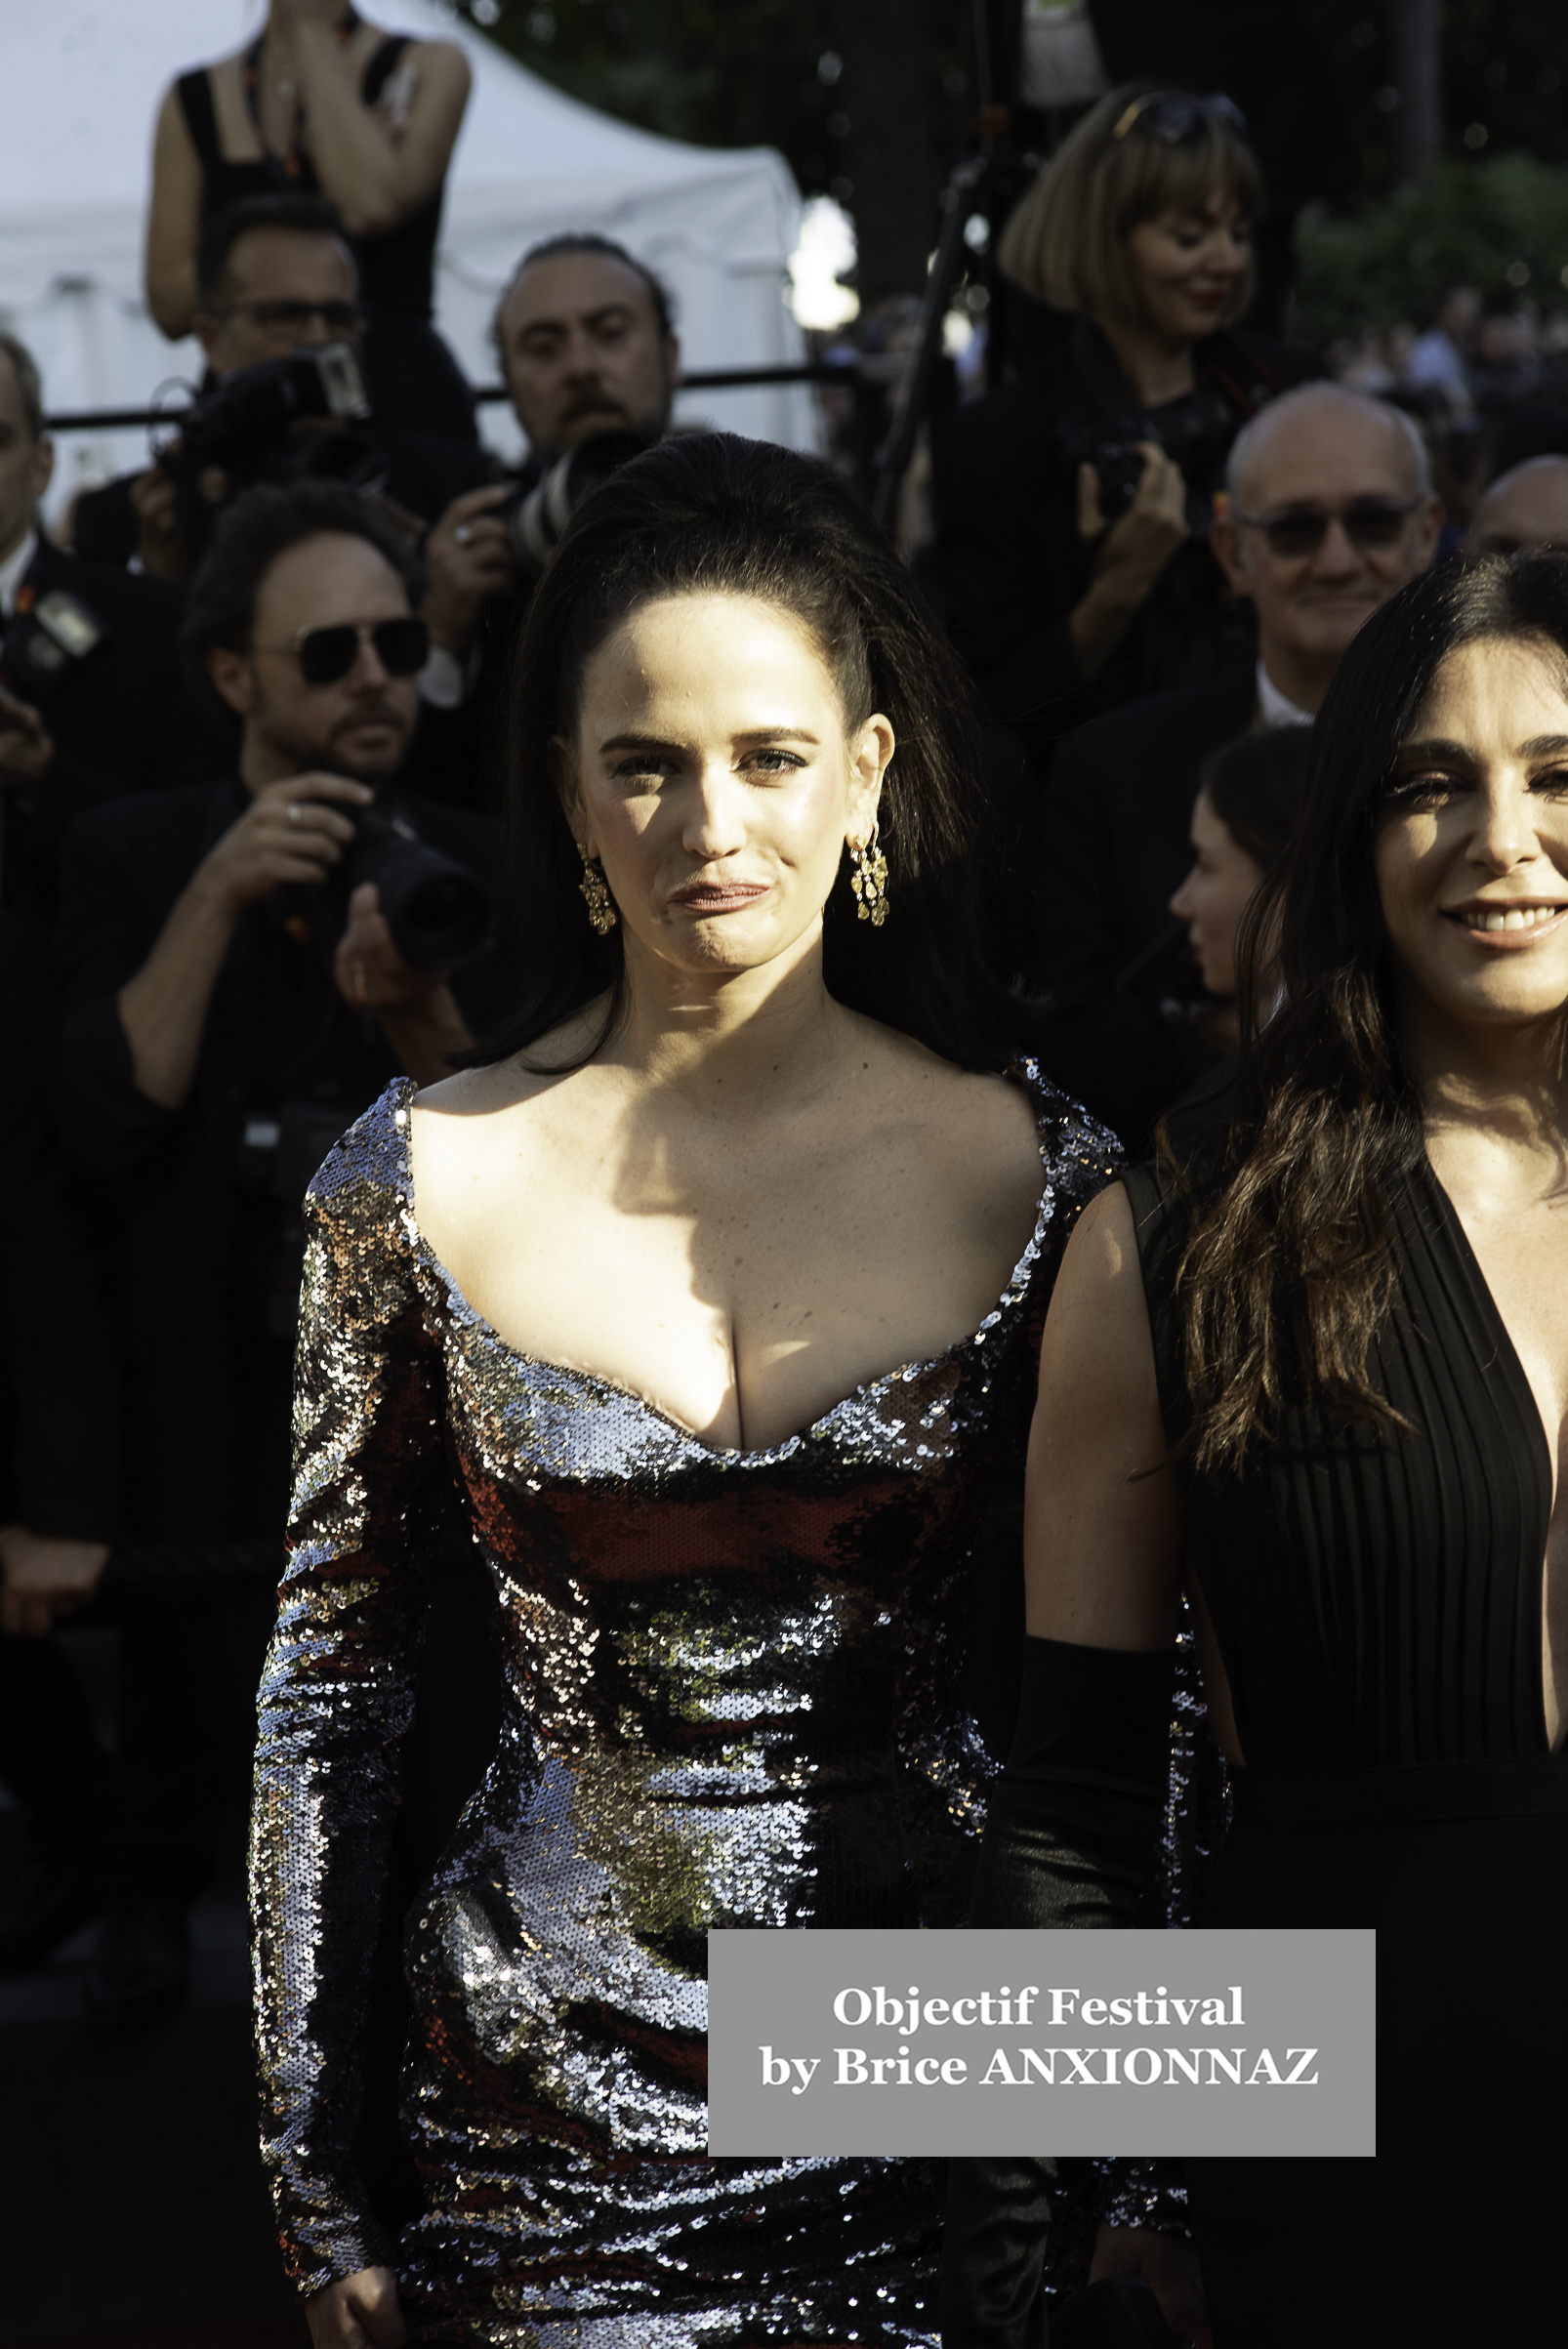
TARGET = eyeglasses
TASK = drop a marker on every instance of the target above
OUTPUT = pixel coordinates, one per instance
(340, 318)
(1298, 530)
(327, 654)
(1174, 119)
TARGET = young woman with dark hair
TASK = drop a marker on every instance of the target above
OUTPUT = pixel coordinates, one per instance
(713, 1300)
(1314, 1364)
(1248, 805)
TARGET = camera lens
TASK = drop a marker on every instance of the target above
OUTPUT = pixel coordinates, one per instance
(437, 913)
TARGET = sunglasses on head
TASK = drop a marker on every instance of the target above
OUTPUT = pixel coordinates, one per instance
(1298, 530)
(327, 654)
(1175, 118)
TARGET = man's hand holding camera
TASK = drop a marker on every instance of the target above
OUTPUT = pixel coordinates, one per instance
(26, 749)
(1129, 554)
(416, 1008)
(292, 833)
(469, 557)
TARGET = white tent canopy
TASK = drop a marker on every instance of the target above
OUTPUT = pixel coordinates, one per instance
(79, 85)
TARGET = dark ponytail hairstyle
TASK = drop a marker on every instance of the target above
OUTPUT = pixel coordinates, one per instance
(711, 513)
(1289, 1264)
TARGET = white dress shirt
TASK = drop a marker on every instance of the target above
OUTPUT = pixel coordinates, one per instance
(13, 571)
(1274, 709)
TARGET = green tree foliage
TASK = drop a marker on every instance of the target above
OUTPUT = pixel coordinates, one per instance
(730, 72)
(865, 98)
(1500, 225)
(1505, 79)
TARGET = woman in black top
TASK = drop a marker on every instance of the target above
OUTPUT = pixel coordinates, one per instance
(1074, 503)
(1348, 1347)
(321, 101)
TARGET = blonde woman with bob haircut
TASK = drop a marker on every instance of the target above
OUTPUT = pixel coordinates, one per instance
(1074, 502)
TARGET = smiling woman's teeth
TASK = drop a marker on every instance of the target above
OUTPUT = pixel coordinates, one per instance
(1517, 917)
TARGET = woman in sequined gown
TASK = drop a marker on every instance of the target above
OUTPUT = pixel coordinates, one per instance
(713, 1300)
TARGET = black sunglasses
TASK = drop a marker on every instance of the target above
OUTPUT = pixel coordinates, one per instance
(1300, 530)
(326, 654)
(341, 318)
(1174, 119)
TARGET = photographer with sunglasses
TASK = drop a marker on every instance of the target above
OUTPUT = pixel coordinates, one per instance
(234, 994)
(1329, 511)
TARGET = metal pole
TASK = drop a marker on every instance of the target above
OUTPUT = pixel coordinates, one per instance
(893, 458)
(1418, 67)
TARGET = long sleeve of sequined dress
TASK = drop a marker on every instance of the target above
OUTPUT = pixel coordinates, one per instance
(370, 1469)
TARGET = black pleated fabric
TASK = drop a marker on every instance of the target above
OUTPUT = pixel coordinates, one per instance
(1376, 1597)
(1376, 1594)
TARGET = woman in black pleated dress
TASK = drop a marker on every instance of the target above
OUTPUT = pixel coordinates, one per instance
(1336, 1309)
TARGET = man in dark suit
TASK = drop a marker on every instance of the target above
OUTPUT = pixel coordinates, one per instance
(229, 1006)
(92, 700)
(586, 345)
(1330, 510)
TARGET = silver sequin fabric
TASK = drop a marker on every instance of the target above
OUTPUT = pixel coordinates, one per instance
(732, 1697)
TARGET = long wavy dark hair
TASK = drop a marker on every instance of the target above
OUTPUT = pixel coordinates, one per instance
(711, 513)
(1289, 1264)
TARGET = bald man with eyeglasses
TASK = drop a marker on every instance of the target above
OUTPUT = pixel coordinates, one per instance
(1329, 509)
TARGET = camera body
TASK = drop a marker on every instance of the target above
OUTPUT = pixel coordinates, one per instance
(438, 915)
(534, 518)
(1195, 434)
(254, 427)
(1111, 448)
(45, 642)
(242, 417)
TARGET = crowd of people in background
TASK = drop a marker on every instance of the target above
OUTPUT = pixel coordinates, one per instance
(253, 759)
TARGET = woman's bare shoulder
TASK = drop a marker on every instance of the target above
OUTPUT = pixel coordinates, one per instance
(1097, 1347)
(546, 1064)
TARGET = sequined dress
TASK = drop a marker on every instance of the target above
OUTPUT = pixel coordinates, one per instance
(731, 1697)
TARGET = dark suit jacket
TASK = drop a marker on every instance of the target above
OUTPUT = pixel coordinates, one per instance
(1012, 566)
(205, 1384)
(1115, 846)
(122, 719)
(459, 756)
(59, 1411)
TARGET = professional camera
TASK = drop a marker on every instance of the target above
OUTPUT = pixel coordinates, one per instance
(248, 411)
(1195, 433)
(44, 641)
(437, 911)
(278, 421)
(535, 518)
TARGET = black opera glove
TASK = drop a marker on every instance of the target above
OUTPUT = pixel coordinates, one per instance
(1070, 1840)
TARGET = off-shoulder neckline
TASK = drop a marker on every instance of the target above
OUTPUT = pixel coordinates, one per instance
(1025, 1073)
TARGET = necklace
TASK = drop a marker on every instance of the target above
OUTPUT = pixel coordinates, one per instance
(291, 164)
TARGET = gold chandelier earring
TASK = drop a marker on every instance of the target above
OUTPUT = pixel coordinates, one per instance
(596, 890)
(868, 878)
